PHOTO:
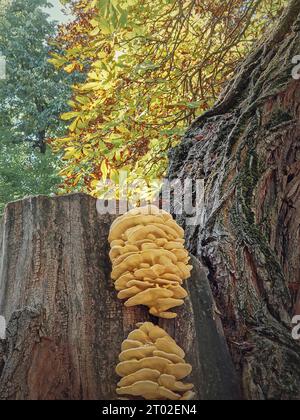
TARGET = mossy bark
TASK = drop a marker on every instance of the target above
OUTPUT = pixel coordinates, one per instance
(247, 149)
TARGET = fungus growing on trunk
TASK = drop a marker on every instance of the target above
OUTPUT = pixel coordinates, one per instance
(152, 366)
(149, 260)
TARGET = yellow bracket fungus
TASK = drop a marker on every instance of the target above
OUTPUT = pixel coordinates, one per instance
(149, 260)
(152, 366)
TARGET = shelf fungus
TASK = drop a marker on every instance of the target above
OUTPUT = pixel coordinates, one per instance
(152, 366)
(149, 260)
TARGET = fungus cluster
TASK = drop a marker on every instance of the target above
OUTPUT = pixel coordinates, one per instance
(149, 260)
(152, 366)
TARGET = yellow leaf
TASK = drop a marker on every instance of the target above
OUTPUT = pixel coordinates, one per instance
(70, 152)
(95, 31)
(57, 61)
(104, 170)
(84, 100)
(68, 115)
(90, 86)
(74, 124)
(95, 183)
(69, 68)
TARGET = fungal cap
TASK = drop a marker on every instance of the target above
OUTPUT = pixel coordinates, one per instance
(130, 366)
(141, 375)
(168, 345)
(123, 223)
(172, 357)
(127, 368)
(168, 303)
(156, 332)
(188, 396)
(131, 344)
(137, 353)
(149, 260)
(139, 388)
(148, 297)
(180, 370)
(122, 281)
(138, 335)
(178, 292)
(138, 233)
(151, 257)
(148, 371)
(149, 389)
(145, 326)
(169, 381)
(128, 293)
(166, 315)
(142, 285)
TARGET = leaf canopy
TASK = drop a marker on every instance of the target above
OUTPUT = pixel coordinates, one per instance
(151, 68)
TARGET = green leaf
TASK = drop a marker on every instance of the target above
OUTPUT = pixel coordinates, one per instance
(104, 26)
(95, 31)
(73, 126)
(123, 19)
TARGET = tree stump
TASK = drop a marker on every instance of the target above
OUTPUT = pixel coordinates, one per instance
(65, 324)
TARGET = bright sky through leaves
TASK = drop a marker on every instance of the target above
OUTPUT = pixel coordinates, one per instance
(57, 12)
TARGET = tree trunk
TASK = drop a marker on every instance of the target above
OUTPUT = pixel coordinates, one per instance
(41, 142)
(247, 150)
(65, 323)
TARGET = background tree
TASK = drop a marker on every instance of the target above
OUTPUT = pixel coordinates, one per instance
(32, 96)
(3, 4)
(24, 171)
(151, 68)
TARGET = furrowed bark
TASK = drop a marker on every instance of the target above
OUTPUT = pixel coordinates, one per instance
(247, 151)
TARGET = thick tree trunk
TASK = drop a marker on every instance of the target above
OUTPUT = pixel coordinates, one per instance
(247, 149)
(65, 323)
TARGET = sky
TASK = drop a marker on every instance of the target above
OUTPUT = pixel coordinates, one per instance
(56, 13)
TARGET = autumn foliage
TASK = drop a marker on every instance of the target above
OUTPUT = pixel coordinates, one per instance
(151, 67)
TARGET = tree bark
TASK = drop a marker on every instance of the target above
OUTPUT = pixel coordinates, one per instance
(41, 141)
(65, 323)
(247, 151)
